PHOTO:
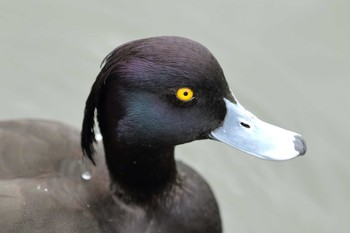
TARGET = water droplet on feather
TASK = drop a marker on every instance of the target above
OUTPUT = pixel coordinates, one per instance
(86, 175)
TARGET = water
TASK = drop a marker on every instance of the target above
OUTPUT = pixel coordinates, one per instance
(286, 61)
(86, 167)
(86, 175)
(98, 137)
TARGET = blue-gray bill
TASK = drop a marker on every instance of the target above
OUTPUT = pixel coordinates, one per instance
(244, 131)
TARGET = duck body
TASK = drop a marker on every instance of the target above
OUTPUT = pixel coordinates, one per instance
(41, 188)
(151, 95)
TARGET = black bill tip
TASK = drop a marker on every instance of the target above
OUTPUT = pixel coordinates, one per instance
(300, 145)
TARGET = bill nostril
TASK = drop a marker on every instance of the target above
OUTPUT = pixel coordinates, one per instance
(245, 125)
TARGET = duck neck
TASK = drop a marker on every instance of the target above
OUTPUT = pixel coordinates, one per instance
(140, 173)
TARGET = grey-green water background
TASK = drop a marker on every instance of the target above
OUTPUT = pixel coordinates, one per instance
(286, 61)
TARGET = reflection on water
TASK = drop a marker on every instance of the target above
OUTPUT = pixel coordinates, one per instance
(286, 61)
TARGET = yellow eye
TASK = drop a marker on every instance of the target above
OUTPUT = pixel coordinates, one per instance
(184, 94)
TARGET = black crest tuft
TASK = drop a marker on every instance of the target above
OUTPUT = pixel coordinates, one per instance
(92, 103)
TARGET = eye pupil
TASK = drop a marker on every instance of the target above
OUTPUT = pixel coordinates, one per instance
(185, 93)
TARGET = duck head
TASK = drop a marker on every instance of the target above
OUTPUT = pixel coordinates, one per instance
(165, 91)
